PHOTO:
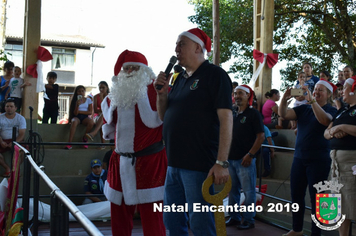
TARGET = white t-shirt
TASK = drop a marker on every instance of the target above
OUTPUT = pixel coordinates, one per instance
(15, 87)
(85, 106)
(6, 125)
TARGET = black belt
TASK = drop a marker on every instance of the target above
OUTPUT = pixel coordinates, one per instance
(152, 149)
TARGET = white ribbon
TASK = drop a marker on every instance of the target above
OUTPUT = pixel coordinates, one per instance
(40, 81)
(257, 72)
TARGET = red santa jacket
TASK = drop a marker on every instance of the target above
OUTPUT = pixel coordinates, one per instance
(134, 129)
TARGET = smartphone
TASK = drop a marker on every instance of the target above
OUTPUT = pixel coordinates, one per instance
(296, 92)
(79, 97)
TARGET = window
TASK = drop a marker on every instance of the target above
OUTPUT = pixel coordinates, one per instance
(63, 59)
(14, 53)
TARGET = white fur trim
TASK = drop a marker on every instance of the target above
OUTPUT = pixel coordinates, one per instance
(108, 131)
(350, 81)
(243, 88)
(126, 127)
(128, 180)
(326, 84)
(195, 39)
(150, 195)
(112, 195)
(149, 117)
(107, 110)
(143, 195)
(134, 63)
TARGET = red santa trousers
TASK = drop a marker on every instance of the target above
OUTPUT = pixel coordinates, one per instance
(122, 219)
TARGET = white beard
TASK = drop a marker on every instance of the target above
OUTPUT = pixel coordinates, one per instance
(127, 89)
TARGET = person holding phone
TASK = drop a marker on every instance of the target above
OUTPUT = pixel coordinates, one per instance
(80, 109)
(311, 163)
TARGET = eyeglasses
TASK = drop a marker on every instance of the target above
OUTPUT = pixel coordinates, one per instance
(127, 68)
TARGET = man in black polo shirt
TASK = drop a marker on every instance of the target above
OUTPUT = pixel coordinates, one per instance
(247, 137)
(197, 128)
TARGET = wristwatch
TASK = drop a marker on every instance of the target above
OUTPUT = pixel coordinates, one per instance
(224, 164)
(250, 154)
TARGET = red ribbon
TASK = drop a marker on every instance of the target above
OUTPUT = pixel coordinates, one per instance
(32, 70)
(42, 55)
(272, 58)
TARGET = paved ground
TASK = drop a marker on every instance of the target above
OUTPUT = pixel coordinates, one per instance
(261, 229)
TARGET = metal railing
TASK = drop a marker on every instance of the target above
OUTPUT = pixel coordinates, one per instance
(61, 205)
(260, 173)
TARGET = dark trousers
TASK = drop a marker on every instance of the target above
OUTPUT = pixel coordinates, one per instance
(305, 173)
(49, 114)
(266, 158)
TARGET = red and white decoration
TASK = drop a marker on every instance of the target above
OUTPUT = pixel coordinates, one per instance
(35, 70)
(270, 58)
(200, 37)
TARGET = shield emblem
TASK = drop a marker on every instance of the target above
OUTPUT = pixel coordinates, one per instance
(328, 207)
(194, 86)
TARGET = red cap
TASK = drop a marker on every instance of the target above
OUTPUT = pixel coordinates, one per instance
(332, 87)
(134, 58)
(200, 37)
(247, 89)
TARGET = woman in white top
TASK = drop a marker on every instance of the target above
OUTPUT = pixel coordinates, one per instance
(80, 109)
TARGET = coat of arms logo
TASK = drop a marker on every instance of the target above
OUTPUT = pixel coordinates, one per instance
(194, 85)
(328, 205)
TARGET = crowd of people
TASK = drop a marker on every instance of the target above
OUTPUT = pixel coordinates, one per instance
(171, 132)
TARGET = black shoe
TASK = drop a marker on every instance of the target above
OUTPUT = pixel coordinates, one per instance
(266, 173)
(246, 225)
(231, 222)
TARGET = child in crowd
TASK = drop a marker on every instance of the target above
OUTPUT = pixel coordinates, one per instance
(268, 152)
(16, 86)
(51, 107)
(301, 82)
(300, 100)
(80, 109)
(94, 183)
(338, 98)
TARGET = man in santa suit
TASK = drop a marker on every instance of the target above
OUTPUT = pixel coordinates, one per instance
(138, 164)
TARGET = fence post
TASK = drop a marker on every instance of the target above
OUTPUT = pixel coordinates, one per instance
(64, 212)
(54, 231)
(36, 185)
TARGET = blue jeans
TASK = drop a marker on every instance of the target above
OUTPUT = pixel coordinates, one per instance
(184, 186)
(243, 178)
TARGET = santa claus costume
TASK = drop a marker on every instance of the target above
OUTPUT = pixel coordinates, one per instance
(138, 164)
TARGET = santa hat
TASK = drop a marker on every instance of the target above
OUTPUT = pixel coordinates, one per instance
(129, 57)
(332, 87)
(247, 89)
(351, 81)
(200, 37)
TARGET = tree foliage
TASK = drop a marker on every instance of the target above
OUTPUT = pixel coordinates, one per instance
(321, 32)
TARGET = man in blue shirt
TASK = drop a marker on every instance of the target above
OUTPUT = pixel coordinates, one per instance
(94, 182)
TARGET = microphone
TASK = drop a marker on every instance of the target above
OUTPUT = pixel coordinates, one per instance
(31, 108)
(172, 61)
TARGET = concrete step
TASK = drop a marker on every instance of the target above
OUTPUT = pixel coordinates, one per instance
(61, 162)
(60, 133)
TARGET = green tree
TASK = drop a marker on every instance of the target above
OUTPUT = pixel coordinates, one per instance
(321, 32)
